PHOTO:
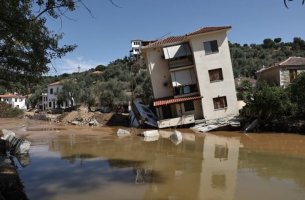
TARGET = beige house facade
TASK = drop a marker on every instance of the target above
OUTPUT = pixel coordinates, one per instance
(283, 73)
(192, 77)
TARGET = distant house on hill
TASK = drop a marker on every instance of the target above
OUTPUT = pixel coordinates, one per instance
(16, 100)
(50, 100)
(97, 72)
(283, 73)
(192, 77)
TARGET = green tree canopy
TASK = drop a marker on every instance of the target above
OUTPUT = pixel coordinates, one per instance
(268, 102)
(297, 93)
(27, 46)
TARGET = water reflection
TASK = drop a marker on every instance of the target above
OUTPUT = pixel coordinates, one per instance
(219, 167)
(202, 166)
(209, 166)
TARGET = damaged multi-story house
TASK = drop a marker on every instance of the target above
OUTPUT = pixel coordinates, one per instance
(192, 77)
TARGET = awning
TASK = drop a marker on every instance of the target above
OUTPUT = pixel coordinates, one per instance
(177, 51)
(162, 102)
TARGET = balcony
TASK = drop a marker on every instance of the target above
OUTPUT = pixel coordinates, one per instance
(180, 62)
(178, 121)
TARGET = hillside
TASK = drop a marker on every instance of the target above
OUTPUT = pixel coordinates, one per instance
(247, 59)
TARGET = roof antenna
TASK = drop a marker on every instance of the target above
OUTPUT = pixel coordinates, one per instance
(163, 36)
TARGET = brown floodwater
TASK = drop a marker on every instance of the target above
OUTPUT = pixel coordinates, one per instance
(68, 163)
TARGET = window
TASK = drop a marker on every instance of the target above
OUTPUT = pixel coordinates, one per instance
(218, 181)
(220, 102)
(221, 151)
(50, 104)
(215, 75)
(16, 99)
(293, 74)
(51, 91)
(210, 47)
(187, 89)
(189, 106)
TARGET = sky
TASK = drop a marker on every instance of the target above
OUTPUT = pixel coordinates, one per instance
(104, 35)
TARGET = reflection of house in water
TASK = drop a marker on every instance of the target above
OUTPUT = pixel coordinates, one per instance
(198, 168)
(219, 167)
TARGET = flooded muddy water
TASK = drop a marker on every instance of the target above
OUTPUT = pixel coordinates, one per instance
(93, 163)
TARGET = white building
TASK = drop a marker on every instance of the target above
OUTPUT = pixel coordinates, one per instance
(16, 100)
(192, 77)
(49, 99)
(136, 46)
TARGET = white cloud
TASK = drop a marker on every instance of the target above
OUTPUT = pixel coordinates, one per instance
(68, 65)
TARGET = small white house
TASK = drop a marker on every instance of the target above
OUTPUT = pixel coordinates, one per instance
(16, 100)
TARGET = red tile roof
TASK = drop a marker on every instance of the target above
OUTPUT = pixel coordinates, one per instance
(209, 29)
(55, 83)
(162, 102)
(182, 38)
(11, 96)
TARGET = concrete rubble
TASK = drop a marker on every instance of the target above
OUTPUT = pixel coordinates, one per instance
(176, 137)
(123, 133)
(15, 145)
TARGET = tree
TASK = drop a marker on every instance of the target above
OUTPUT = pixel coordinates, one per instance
(27, 46)
(268, 43)
(71, 91)
(297, 93)
(277, 40)
(268, 103)
(111, 93)
(244, 89)
(285, 2)
(36, 96)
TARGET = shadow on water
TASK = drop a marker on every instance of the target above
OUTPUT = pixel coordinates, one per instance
(11, 187)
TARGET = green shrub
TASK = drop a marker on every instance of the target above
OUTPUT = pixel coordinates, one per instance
(6, 110)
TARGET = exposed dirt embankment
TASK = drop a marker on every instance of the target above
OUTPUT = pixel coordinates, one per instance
(82, 116)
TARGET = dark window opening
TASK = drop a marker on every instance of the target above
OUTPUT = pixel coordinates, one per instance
(218, 181)
(221, 151)
(189, 106)
(167, 112)
(210, 47)
(293, 73)
(220, 102)
(215, 75)
(51, 91)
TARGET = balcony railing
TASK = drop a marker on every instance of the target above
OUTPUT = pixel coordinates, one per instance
(185, 119)
(175, 63)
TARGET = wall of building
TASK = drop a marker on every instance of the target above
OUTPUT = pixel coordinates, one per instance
(209, 90)
(15, 101)
(53, 97)
(159, 73)
(271, 76)
(20, 103)
(285, 75)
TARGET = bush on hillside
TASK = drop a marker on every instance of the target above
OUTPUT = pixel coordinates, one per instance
(6, 110)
